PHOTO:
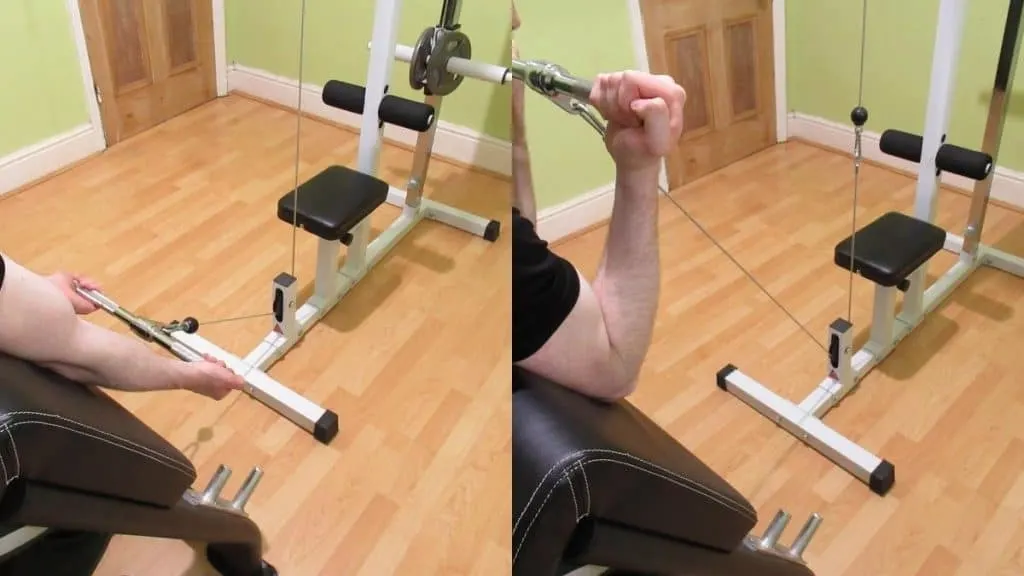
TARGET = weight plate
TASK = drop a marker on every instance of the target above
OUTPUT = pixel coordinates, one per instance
(420, 54)
(451, 43)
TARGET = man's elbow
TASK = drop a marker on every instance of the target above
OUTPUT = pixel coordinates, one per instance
(616, 390)
(616, 382)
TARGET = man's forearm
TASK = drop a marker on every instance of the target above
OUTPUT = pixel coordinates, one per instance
(38, 323)
(522, 182)
(628, 278)
(122, 362)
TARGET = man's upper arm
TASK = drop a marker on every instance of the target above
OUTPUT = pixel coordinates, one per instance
(545, 289)
(558, 328)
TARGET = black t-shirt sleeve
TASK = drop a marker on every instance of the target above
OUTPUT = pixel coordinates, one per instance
(545, 288)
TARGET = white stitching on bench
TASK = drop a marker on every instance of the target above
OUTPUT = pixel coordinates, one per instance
(183, 465)
(151, 451)
(515, 524)
(694, 486)
(172, 465)
(582, 464)
(586, 483)
(3, 462)
(575, 504)
(17, 459)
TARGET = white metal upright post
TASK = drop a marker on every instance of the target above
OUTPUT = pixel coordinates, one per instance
(945, 56)
(371, 131)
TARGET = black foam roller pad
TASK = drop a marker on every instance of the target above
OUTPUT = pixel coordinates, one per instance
(345, 96)
(406, 113)
(901, 145)
(393, 109)
(968, 163)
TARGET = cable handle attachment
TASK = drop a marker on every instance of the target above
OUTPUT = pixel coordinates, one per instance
(554, 82)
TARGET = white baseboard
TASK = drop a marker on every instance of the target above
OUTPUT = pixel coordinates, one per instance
(44, 158)
(575, 214)
(451, 141)
(1007, 185)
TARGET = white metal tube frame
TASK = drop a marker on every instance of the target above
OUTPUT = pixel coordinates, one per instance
(846, 368)
(190, 347)
(292, 321)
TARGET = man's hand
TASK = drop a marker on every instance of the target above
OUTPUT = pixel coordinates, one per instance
(644, 114)
(211, 378)
(66, 284)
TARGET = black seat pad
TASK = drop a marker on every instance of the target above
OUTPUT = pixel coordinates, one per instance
(58, 432)
(889, 249)
(575, 460)
(333, 202)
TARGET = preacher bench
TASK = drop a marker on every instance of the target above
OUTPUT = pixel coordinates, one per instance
(74, 459)
(598, 484)
(893, 252)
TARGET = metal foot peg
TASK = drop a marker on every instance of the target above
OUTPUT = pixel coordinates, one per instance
(803, 539)
(248, 487)
(769, 542)
(775, 529)
(211, 494)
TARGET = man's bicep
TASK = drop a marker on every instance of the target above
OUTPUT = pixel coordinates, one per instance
(35, 317)
(578, 354)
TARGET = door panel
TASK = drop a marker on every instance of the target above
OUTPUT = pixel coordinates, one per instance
(125, 26)
(180, 34)
(720, 51)
(151, 59)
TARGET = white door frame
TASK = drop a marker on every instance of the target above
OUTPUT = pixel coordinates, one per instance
(778, 50)
(89, 84)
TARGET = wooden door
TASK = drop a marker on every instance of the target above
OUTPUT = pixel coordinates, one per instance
(151, 60)
(720, 51)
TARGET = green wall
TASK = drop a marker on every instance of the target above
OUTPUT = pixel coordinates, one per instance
(823, 58)
(42, 92)
(568, 157)
(265, 35)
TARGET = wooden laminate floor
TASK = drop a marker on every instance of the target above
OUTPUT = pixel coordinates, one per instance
(181, 220)
(946, 407)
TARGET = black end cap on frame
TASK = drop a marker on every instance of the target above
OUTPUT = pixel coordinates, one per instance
(882, 478)
(492, 231)
(723, 374)
(326, 427)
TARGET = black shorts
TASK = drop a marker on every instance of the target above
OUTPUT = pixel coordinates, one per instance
(545, 288)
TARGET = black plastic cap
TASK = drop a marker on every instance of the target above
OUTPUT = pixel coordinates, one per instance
(190, 325)
(723, 374)
(492, 231)
(882, 478)
(284, 279)
(859, 116)
(326, 428)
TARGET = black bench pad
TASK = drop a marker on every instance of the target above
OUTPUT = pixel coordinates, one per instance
(889, 249)
(333, 202)
(577, 461)
(57, 432)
